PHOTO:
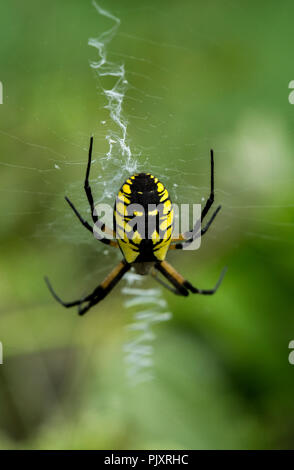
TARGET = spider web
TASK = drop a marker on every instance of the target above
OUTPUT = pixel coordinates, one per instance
(143, 115)
(109, 168)
(127, 83)
(149, 303)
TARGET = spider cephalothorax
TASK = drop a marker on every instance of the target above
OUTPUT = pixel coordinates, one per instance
(143, 230)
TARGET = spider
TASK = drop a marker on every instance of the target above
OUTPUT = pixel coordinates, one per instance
(145, 255)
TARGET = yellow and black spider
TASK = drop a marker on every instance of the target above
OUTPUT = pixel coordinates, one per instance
(145, 254)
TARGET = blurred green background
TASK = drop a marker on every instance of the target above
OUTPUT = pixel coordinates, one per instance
(202, 74)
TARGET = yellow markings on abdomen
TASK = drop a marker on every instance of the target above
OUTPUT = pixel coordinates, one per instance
(129, 251)
(137, 237)
(122, 197)
(126, 189)
(130, 241)
(160, 187)
(164, 195)
(122, 209)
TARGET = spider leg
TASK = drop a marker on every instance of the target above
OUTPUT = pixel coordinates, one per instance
(104, 240)
(181, 284)
(81, 219)
(173, 277)
(87, 186)
(66, 304)
(208, 224)
(98, 293)
(176, 291)
(204, 212)
(195, 290)
(89, 195)
(106, 286)
(196, 234)
(210, 199)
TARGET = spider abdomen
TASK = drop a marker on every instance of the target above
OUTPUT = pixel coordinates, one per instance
(143, 219)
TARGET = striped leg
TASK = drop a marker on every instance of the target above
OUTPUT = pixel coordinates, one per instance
(98, 294)
(196, 230)
(182, 286)
(106, 286)
(88, 191)
(104, 240)
(89, 195)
